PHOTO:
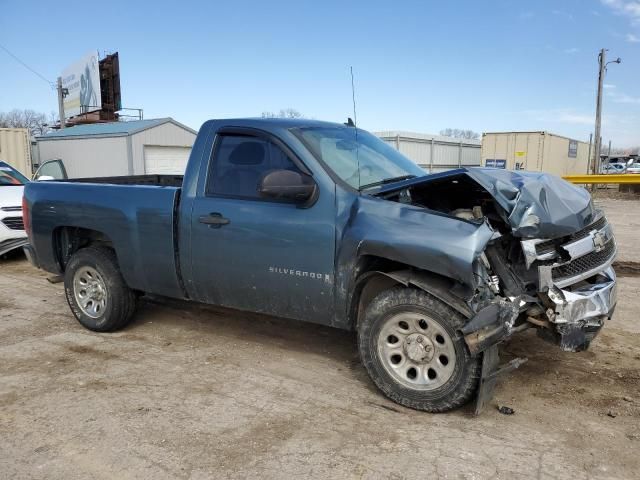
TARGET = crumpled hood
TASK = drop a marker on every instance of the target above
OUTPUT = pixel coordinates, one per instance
(539, 205)
(535, 205)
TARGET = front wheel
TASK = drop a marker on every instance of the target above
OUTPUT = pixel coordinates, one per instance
(410, 345)
(96, 292)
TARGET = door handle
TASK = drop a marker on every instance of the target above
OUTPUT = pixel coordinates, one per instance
(214, 220)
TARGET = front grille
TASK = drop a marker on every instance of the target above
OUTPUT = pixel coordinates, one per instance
(586, 263)
(14, 223)
(11, 209)
(549, 246)
(597, 225)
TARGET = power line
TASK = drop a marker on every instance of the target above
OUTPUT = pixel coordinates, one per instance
(51, 84)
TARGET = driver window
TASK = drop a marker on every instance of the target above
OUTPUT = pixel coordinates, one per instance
(239, 162)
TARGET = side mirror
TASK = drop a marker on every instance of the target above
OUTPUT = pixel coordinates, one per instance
(44, 178)
(288, 185)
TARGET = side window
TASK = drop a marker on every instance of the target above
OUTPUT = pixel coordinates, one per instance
(51, 169)
(239, 163)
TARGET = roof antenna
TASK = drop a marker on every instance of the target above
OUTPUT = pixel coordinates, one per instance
(355, 123)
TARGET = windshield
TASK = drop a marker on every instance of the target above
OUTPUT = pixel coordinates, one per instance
(343, 149)
(10, 176)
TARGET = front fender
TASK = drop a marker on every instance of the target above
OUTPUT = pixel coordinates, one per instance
(417, 237)
(410, 236)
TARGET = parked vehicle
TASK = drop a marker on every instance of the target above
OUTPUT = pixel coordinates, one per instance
(12, 234)
(51, 170)
(613, 168)
(326, 223)
(633, 168)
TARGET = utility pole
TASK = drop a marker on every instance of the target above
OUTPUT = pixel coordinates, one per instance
(602, 60)
(61, 95)
(589, 156)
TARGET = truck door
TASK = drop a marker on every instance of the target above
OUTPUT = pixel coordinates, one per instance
(255, 254)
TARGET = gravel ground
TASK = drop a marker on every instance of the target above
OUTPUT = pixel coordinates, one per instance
(188, 391)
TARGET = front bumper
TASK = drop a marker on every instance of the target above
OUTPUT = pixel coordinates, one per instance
(580, 310)
(12, 244)
(12, 234)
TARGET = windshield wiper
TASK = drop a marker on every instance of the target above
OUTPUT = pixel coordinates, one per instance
(387, 180)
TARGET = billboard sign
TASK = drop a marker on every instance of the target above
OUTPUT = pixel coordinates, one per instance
(82, 80)
(110, 83)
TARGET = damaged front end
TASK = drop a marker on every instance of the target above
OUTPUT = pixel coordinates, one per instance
(565, 287)
(576, 283)
(547, 265)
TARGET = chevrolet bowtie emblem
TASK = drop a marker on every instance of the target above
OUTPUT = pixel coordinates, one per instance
(599, 239)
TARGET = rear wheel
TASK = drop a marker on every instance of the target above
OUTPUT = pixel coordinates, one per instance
(410, 345)
(96, 292)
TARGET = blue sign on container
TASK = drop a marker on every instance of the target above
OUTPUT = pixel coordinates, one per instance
(493, 163)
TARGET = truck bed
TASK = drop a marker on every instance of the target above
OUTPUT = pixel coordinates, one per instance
(153, 180)
(136, 214)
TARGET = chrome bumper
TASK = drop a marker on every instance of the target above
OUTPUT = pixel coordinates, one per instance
(581, 310)
(582, 303)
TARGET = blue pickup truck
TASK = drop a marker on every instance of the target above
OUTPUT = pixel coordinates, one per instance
(325, 223)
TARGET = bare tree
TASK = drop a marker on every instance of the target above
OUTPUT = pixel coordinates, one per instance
(458, 133)
(36, 122)
(622, 151)
(283, 113)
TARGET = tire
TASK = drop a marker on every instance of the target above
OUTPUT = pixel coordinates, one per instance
(96, 292)
(445, 375)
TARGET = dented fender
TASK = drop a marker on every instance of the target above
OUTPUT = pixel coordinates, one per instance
(418, 237)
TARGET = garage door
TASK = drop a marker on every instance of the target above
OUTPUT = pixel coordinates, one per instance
(165, 160)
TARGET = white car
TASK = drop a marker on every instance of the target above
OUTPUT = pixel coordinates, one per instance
(613, 168)
(633, 168)
(12, 234)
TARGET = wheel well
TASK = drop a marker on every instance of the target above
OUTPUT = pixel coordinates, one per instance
(374, 275)
(68, 240)
(373, 285)
(369, 282)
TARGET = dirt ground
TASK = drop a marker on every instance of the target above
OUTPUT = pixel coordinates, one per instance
(193, 392)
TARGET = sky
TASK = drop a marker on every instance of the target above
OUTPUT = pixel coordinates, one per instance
(419, 66)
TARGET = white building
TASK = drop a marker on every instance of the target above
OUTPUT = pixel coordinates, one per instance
(434, 153)
(156, 146)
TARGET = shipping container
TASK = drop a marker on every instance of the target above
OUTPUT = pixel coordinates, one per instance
(535, 151)
(15, 149)
(434, 153)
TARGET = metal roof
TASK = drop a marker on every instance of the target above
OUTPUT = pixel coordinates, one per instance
(534, 132)
(427, 137)
(279, 122)
(111, 129)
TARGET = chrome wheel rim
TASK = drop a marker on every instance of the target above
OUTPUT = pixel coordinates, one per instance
(90, 292)
(416, 351)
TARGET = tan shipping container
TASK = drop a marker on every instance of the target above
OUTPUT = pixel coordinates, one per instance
(535, 151)
(15, 149)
